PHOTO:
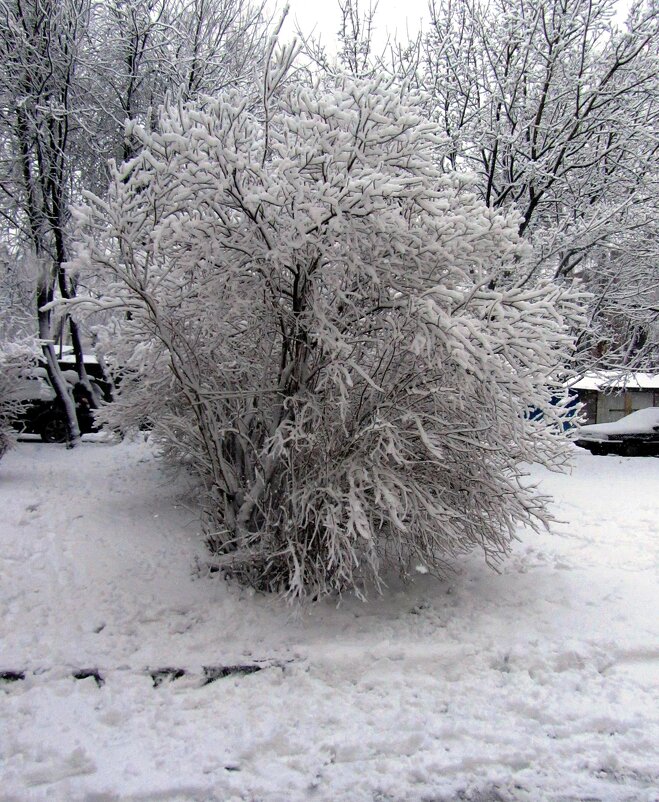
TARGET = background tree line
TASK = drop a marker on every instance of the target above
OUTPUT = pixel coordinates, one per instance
(549, 107)
(74, 72)
(552, 108)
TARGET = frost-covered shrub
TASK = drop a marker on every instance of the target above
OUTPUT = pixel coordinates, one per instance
(308, 318)
(15, 361)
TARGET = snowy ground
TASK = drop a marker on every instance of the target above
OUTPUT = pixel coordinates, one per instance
(539, 684)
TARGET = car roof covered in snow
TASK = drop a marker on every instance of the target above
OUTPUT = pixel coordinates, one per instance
(643, 421)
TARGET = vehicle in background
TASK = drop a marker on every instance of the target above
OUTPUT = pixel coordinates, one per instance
(634, 435)
(41, 412)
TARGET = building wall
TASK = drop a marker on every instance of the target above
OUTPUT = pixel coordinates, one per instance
(613, 406)
(589, 400)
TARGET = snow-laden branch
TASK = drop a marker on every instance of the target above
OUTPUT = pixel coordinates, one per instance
(317, 335)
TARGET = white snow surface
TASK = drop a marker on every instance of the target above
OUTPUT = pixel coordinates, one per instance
(604, 380)
(536, 684)
(643, 421)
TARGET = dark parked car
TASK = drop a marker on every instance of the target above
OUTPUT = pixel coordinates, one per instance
(42, 413)
(632, 436)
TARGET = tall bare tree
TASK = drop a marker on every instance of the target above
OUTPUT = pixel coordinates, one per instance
(73, 74)
(40, 50)
(555, 113)
(145, 50)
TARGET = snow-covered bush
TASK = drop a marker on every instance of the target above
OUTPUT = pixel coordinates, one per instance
(307, 318)
(15, 361)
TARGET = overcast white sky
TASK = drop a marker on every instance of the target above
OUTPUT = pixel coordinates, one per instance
(323, 17)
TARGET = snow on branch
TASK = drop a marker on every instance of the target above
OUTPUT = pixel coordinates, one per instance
(315, 334)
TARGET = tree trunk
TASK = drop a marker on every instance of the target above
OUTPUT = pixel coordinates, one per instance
(55, 376)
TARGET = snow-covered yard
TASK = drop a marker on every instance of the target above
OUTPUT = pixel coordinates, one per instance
(536, 684)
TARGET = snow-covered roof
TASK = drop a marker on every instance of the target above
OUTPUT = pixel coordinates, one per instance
(604, 380)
